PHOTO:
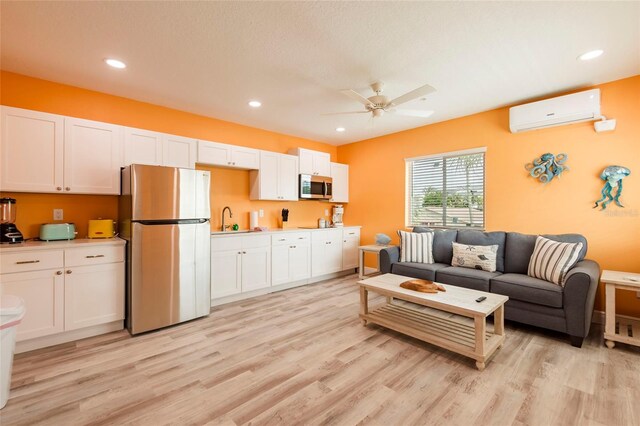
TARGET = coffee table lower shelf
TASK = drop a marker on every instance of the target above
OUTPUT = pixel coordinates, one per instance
(448, 333)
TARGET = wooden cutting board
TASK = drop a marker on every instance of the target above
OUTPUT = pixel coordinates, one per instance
(422, 286)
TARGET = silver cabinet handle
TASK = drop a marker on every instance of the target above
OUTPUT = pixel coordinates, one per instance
(67, 189)
(58, 272)
(59, 188)
(239, 252)
(23, 262)
(281, 239)
(244, 252)
(301, 238)
(69, 271)
(94, 256)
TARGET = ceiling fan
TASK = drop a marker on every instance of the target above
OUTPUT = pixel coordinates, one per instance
(378, 104)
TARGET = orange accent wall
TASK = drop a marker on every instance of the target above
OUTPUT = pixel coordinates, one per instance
(515, 201)
(229, 187)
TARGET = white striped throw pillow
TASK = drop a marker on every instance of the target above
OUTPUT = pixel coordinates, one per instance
(551, 260)
(416, 247)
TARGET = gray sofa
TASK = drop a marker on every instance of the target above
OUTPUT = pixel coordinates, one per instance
(532, 301)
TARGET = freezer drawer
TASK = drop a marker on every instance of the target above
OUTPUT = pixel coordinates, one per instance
(170, 275)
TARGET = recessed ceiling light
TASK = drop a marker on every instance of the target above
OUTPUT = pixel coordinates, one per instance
(255, 104)
(590, 55)
(115, 63)
(340, 129)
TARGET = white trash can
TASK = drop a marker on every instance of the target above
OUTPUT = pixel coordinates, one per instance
(11, 313)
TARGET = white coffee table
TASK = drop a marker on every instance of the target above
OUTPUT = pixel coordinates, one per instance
(446, 331)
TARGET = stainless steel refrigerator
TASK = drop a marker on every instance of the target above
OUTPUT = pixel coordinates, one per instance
(164, 216)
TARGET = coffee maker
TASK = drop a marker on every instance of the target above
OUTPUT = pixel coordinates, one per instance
(338, 211)
(8, 231)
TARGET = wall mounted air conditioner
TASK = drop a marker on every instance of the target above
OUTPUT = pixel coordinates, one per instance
(568, 109)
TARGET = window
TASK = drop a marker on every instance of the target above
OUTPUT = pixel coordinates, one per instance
(446, 190)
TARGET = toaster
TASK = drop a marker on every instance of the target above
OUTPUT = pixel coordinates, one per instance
(101, 228)
(57, 231)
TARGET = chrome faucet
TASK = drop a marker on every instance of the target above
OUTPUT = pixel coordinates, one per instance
(224, 227)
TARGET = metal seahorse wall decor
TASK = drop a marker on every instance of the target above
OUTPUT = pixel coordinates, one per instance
(547, 167)
(612, 176)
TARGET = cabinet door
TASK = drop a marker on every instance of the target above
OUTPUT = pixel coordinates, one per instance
(32, 151)
(268, 176)
(318, 258)
(280, 264)
(43, 295)
(305, 158)
(142, 147)
(288, 177)
(225, 273)
(350, 252)
(214, 153)
(245, 158)
(321, 163)
(93, 295)
(340, 177)
(92, 157)
(179, 151)
(300, 262)
(333, 251)
(256, 268)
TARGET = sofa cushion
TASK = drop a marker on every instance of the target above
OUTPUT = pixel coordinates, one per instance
(478, 238)
(425, 271)
(465, 277)
(528, 289)
(416, 246)
(442, 239)
(519, 248)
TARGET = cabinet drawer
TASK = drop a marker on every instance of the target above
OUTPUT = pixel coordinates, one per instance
(351, 232)
(256, 241)
(31, 261)
(290, 238)
(93, 255)
(226, 243)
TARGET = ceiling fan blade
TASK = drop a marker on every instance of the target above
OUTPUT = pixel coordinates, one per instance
(411, 112)
(347, 112)
(414, 94)
(357, 97)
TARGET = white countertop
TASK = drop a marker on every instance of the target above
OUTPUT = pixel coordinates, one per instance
(274, 231)
(63, 244)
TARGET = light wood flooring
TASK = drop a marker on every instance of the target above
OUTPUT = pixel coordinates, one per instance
(301, 356)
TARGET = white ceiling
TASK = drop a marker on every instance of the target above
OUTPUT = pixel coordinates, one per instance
(211, 58)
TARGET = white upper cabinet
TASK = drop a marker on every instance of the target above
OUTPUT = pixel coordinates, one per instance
(142, 147)
(92, 157)
(277, 178)
(340, 177)
(32, 151)
(159, 149)
(220, 154)
(179, 151)
(313, 162)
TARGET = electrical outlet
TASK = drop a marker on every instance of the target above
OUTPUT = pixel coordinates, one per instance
(261, 213)
(58, 214)
(326, 212)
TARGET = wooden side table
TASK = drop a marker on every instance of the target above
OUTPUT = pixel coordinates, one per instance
(373, 248)
(619, 328)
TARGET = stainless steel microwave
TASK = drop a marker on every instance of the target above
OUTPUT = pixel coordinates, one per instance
(315, 187)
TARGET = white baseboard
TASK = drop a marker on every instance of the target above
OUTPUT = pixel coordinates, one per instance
(67, 336)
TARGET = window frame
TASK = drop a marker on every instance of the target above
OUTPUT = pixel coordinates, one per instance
(444, 156)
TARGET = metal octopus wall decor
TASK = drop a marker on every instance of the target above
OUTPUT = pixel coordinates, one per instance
(547, 167)
(612, 176)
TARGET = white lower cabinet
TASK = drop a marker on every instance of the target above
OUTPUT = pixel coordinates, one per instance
(290, 257)
(43, 295)
(225, 273)
(239, 264)
(326, 252)
(64, 289)
(350, 244)
(93, 295)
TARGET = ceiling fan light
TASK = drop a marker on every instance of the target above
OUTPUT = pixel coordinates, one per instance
(378, 112)
(340, 129)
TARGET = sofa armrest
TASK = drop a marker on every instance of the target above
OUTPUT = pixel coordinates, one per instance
(389, 256)
(580, 290)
